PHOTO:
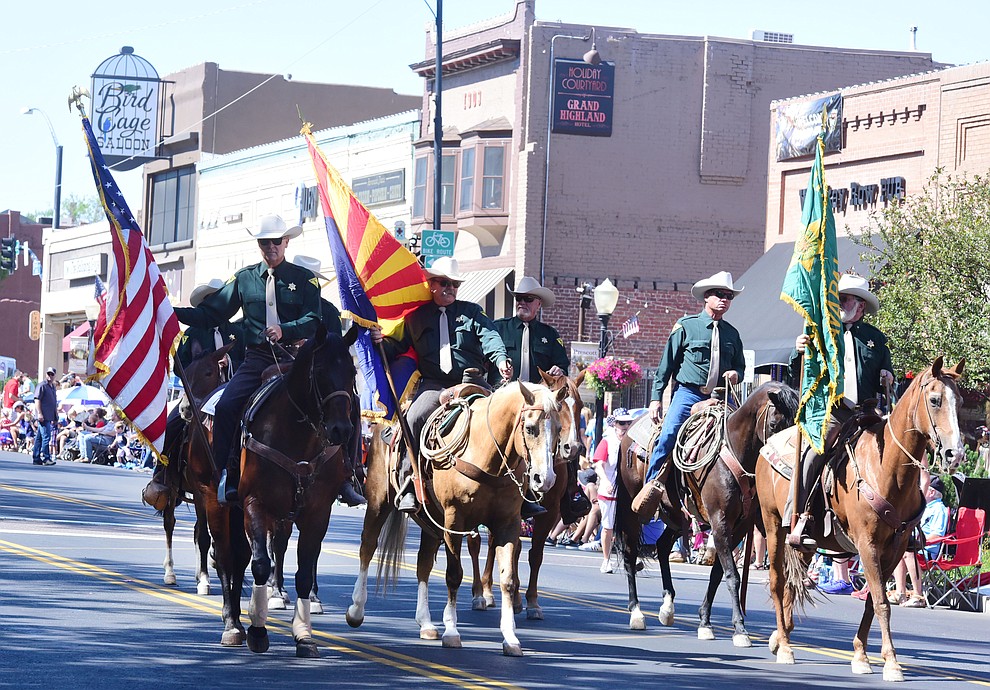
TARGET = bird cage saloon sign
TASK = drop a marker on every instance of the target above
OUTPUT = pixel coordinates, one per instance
(582, 97)
(126, 95)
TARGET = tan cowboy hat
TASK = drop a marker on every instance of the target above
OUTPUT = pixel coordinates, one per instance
(858, 286)
(201, 292)
(722, 279)
(530, 286)
(310, 262)
(273, 227)
(446, 267)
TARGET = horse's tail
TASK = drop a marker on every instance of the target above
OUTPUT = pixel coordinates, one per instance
(795, 575)
(391, 548)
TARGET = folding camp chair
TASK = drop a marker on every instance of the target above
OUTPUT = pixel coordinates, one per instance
(953, 577)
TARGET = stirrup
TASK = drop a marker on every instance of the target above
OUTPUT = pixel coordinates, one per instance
(405, 499)
(798, 539)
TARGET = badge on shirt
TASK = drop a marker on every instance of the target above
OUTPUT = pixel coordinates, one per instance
(543, 340)
(869, 343)
(292, 287)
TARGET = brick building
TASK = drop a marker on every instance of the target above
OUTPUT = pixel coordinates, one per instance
(20, 294)
(674, 194)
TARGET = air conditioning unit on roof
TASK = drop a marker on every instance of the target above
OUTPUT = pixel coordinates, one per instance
(772, 36)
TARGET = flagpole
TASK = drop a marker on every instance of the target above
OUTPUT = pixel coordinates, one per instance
(403, 425)
(796, 476)
(197, 416)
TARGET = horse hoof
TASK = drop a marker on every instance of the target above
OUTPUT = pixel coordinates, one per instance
(315, 607)
(257, 639)
(479, 604)
(637, 622)
(785, 656)
(705, 633)
(666, 616)
(276, 604)
(893, 673)
(169, 579)
(517, 609)
(232, 638)
(741, 640)
(510, 649)
(429, 633)
(490, 601)
(773, 643)
(862, 667)
(451, 641)
(306, 649)
(534, 614)
(203, 589)
(352, 618)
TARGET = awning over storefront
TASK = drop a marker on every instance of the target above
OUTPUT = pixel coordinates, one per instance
(480, 283)
(767, 324)
(81, 329)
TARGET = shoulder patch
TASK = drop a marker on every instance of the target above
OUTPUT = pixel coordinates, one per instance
(676, 327)
(315, 281)
(231, 279)
(560, 341)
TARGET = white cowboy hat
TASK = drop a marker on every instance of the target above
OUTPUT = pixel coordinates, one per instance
(201, 292)
(446, 267)
(273, 227)
(858, 286)
(310, 262)
(530, 286)
(723, 279)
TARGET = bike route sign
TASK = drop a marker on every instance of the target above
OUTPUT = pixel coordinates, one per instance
(436, 243)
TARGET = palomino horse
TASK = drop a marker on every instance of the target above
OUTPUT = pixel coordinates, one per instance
(292, 467)
(876, 502)
(508, 443)
(568, 450)
(203, 375)
(722, 496)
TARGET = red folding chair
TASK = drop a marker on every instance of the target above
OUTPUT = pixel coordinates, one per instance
(954, 575)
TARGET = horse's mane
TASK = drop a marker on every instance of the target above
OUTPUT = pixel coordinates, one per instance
(544, 396)
(787, 396)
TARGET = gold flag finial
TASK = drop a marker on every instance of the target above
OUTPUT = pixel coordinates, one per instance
(75, 99)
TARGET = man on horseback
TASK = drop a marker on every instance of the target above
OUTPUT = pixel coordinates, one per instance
(702, 349)
(281, 306)
(866, 368)
(449, 336)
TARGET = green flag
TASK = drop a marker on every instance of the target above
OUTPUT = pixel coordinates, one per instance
(811, 286)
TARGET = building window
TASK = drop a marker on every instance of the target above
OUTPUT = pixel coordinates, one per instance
(493, 176)
(419, 187)
(467, 180)
(173, 206)
(448, 184)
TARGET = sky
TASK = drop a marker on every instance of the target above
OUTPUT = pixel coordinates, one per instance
(51, 46)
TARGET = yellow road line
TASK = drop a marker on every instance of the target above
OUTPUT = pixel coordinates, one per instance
(68, 499)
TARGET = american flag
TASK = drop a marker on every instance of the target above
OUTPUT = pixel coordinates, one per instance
(137, 330)
(101, 292)
(631, 326)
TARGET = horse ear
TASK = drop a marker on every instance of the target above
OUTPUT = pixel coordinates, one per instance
(351, 336)
(527, 394)
(937, 367)
(774, 397)
(545, 377)
(195, 350)
(562, 394)
(957, 370)
(222, 352)
(579, 379)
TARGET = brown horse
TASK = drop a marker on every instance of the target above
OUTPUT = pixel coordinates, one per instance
(509, 442)
(876, 502)
(292, 467)
(721, 495)
(568, 450)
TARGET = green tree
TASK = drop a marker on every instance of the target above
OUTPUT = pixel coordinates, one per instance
(75, 210)
(929, 258)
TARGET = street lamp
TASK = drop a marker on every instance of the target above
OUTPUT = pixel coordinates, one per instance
(58, 164)
(592, 57)
(606, 297)
(92, 314)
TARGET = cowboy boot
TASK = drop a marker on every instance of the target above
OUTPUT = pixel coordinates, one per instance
(349, 493)
(810, 470)
(530, 506)
(406, 501)
(229, 477)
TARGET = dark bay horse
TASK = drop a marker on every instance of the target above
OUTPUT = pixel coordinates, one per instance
(877, 503)
(509, 442)
(292, 467)
(568, 450)
(725, 500)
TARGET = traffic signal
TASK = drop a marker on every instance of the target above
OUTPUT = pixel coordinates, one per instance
(8, 254)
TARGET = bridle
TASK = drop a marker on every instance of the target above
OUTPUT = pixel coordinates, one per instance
(319, 426)
(934, 438)
(528, 453)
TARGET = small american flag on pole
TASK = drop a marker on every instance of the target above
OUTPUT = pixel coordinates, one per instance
(631, 326)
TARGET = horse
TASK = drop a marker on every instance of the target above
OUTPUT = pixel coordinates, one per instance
(721, 495)
(507, 444)
(568, 450)
(876, 501)
(203, 375)
(292, 467)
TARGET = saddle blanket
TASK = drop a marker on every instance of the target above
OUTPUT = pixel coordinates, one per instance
(210, 406)
(779, 452)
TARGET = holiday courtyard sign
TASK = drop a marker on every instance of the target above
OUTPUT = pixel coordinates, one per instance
(582, 97)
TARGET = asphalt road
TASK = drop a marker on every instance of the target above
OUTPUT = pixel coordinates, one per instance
(82, 605)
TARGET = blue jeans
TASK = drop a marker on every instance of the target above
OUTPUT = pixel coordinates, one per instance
(89, 444)
(43, 442)
(677, 413)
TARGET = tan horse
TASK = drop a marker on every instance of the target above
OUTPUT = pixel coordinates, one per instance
(509, 444)
(877, 503)
(569, 448)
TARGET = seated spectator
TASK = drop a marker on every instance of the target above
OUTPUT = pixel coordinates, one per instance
(934, 522)
(69, 431)
(95, 436)
(14, 425)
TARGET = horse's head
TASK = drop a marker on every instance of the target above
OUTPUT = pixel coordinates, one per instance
(570, 418)
(935, 411)
(203, 374)
(782, 409)
(537, 431)
(325, 368)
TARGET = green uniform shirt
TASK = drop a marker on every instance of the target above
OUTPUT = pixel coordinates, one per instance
(872, 357)
(473, 339)
(297, 298)
(330, 316)
(546, 348)
(688, 353)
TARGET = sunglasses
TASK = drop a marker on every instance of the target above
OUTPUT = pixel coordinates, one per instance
(275, 242)
(528, 299)
(444, 283)
(623, 423)
(723, 294)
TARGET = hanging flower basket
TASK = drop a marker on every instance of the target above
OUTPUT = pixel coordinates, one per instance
(610, 374)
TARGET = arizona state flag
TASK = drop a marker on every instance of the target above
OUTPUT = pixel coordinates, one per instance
(380, 281)
(811, 286)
